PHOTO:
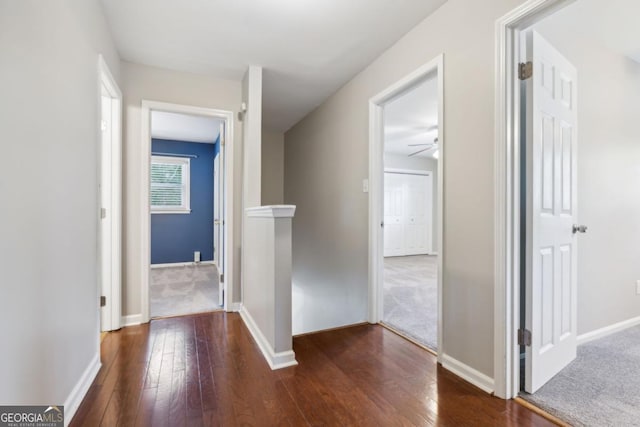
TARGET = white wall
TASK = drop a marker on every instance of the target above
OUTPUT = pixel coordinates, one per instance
(330, 231)
(49, 116)
(400, 161)
(272, 167)
(154, 84)
(608, 175)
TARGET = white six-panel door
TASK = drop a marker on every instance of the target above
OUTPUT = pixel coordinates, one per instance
(408, 213)
(551, 284)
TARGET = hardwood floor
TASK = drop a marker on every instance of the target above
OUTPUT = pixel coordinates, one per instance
(205, 370)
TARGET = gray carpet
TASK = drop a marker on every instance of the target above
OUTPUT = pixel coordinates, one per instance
(175, 291)
(411, 297)
(601, 387)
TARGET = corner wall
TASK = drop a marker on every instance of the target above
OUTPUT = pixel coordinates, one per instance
(272, 168)
(326, 159)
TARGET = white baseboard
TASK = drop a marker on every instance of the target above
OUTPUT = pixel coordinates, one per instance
(275, 360)
(182, 264)
(608, 330)
(467, 373)
(73, 401)
(131, 320)
(234, 307)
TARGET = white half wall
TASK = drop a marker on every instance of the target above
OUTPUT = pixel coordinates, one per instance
(141, 82)
(330, 233)
(50, 116)
(608, 173)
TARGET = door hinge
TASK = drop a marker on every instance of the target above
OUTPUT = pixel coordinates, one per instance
(524, 337)
(103, 125)
(222, 278)
(525, 70)
(103, 213)
(103, 301)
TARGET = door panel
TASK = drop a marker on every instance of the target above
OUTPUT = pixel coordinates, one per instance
(407, 214)
(551, 280)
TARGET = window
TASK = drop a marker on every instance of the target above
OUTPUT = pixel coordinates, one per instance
(170, 187)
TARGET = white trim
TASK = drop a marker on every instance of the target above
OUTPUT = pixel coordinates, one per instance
(408, 171)
(74, 399)
(183, 264)
(106, 79)
(275, 211)
(234, 307)
(169, 211)
(469, 374)
(279, 360)
(131, 320)
(506, 195)
(608, 330)
(376, 183)
(228, 214)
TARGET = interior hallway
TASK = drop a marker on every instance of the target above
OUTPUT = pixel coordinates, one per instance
(411, 297)
(190, 289)
(207, 370)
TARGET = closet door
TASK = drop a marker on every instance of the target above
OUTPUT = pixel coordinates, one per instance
(394, 235)
(417, 218)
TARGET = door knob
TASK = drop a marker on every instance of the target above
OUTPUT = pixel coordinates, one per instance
(579, 228)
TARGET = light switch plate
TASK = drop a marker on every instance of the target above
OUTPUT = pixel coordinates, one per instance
(365, 185)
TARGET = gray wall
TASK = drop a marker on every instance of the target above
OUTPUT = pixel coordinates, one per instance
(154, 84)
(326, 159)
(49, 116)
(398, 161)
(608, 173)
(272, 168)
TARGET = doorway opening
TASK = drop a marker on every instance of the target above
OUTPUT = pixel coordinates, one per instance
(573, 289)
(110, 207)
(411, 152)
(186, 209)
(406, 205)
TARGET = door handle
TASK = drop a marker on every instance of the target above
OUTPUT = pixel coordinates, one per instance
(579, 229)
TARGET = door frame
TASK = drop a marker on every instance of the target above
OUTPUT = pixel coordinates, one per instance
(113, 289)
(226, 151)
(507, 195)
(376, 185)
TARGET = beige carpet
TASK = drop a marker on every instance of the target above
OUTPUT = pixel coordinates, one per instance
(176, 291)
(411, 297)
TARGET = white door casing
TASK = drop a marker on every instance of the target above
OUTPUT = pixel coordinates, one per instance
(110, 199)
(105, 211)
(218, 220)
(551, 279)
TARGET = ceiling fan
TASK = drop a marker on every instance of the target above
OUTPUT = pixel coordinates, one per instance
(429, 146)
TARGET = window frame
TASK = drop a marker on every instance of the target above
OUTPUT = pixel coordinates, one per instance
(185, 208)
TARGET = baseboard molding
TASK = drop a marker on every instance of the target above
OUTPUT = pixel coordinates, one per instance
(279, 360)
(467, 373)
(131, 320)
(608, 330)
(73, 401)
(234, 307)
(182, 264)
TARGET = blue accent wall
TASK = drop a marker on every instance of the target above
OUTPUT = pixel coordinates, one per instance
(174, 237)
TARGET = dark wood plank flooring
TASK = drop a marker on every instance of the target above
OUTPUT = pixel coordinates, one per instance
(205, 370)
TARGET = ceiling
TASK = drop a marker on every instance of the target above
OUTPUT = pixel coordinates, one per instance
(184, 127)
(412, 119)
(612, 24)
(308, 48)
